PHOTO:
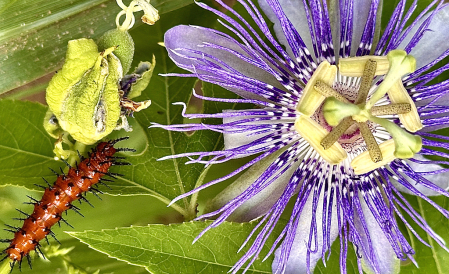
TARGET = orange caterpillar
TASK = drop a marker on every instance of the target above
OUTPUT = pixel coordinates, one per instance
(58, 198)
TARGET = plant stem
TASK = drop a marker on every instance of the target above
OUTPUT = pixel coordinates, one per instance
(5, 268)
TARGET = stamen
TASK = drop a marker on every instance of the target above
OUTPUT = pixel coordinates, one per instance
(354, 66)
(337, 132)
(341, 113)
(410, 120)
(367, 81)
(401, 108)
(363, 163)
(313, 133)
(373, 148)
(328, 91)
(311, 100)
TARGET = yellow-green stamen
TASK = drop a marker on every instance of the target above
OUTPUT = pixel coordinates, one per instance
(363, 163)
(367, 80)
(328, 91)
(310, 99)
(336, 133)
(411, 120)
(401, 108)
(354, 67)
(313, 133)
(373, 147)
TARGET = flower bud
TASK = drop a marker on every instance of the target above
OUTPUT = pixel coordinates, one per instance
(124, 43)
(84, 96)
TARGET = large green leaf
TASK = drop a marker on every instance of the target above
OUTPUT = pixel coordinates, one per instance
(72, 255)
(34, 34)
(166, 249)
(25, 148)
(389, 6)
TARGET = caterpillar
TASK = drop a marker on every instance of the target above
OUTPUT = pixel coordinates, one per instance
(58, 198)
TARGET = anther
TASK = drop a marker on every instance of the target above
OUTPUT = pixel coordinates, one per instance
(313, 133)
(367, 81)
(400, 108)
(311, 100)
(337, 132)
(328, 91)
(373, 147)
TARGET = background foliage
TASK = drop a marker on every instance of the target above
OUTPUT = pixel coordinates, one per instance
(130, 224)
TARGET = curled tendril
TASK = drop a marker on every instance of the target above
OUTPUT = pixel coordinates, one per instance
(357, 251)
(150, 16)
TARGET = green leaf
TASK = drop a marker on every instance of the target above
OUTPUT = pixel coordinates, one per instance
(26, 150)
(389, 7)
(80, 260)
(334, 261)
(34, 34)
(164, 249)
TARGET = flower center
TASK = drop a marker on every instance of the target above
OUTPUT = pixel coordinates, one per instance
(354, 117)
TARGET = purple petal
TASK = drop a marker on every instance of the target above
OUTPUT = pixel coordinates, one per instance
(295, 12)
(297, 260)
(439, 179)
(434, 41)
(186, 44)
(382, 252)
(361, 12)
(261, 203)
(233, 140)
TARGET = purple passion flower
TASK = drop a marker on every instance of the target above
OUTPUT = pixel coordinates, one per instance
(340, 125)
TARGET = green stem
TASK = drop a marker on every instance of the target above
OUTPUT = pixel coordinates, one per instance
(182, 211)
(193, 201)
(81, 148)
(5, 268)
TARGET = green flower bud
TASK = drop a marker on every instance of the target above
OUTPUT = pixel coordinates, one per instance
(84, 96)
(124, 43)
